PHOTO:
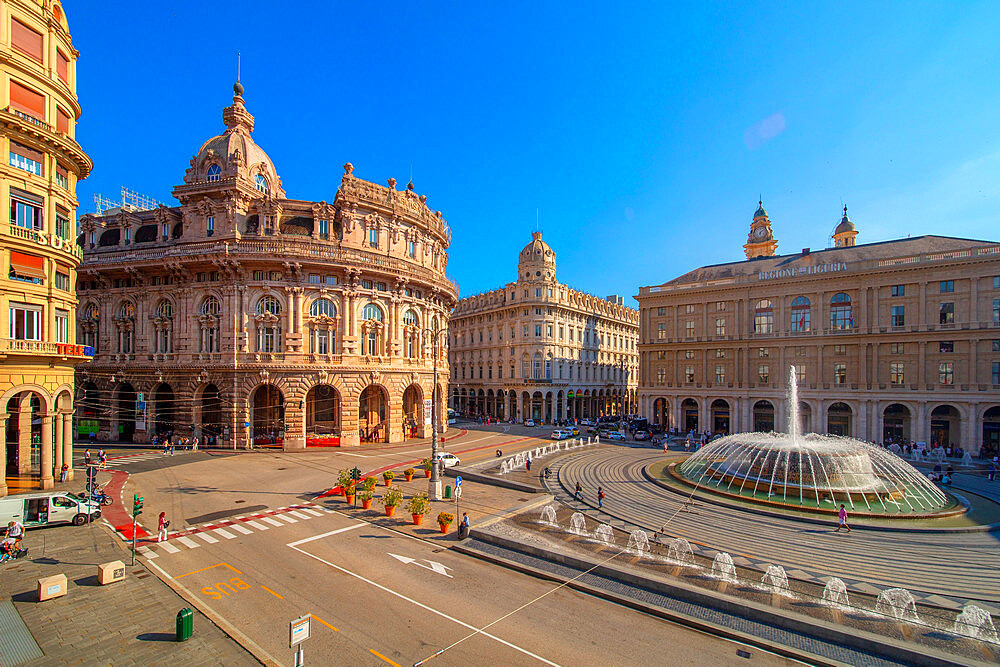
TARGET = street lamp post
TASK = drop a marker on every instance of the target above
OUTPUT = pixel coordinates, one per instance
(434, 485)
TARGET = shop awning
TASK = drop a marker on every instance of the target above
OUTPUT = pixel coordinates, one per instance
(27, 265)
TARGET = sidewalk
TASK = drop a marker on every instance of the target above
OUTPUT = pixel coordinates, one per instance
(129, 622)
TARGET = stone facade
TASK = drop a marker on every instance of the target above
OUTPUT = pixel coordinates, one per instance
(539, 349)
(311, 322)
(38, 349)
(895, 340)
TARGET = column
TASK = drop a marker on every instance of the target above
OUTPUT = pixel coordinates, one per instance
(46, 449)
(921, 364)
(974, 304)
(3, 459)
(57, 444)
(299, 301)
(67, 443)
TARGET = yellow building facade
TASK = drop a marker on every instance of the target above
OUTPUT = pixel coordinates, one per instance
(39, 255)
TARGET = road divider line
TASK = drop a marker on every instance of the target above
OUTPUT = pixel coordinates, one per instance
(314, 616)
(280, 597)
(478, 631)
(332, 532)
(377, 654)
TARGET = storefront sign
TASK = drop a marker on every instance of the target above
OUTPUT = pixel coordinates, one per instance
(75, 350)
(428, 409)
(53, 240)
(835, 267)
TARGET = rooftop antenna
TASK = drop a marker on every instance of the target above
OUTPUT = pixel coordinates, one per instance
(238, 67)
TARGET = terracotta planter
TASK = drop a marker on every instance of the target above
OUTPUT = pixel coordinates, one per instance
(388, 482)
(349, 499)
(444, 527)
(366, 503)
(389, 509)
(417, 519)
(427, 473)
(409, 478)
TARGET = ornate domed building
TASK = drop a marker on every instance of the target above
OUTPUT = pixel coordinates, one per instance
(242, 316)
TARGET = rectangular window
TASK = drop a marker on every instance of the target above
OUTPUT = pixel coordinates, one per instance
(720, 375)
(840, 349)
(996, 282)
(62, 176)
(62, 326)
(661, 331)
(548, 331)
(720, 305)
(947, 286)
(763, 373)
(62, 66)
(897, 348)
(367, 284)
(27, 101)
(763, 322)
(538, 331)
(26, 159)
(840, 373)
(524, 331)
(800, 351)
(274, 275)
(315, 278)
(62, 281)
(689, 309)
(898, 316)
(538, 291)
(381, 287)
(996, 373)
(259, 275)
(268, 225)
(324, 229)
(689, 329)
(689, 373)
(330, 280)
(896, 375)
(800, 375)
(946, 346)
(947, 313)
(26, 40)
(720, 326)
(996, 311)
(373, 237)
(898, 290)
(211, 225)
(25, 321)
(689, 354)
(763, 352)
(411, 249)
(996, 344)
(62, 226)
(164, 234)
(550, 292)
(661, 376)
(661, 311)
(946, 372)
(720, 353)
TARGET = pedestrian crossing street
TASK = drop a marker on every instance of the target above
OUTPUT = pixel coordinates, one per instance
(118, 461)
(230, 529)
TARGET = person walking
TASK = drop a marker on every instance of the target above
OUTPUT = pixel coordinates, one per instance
(842, 519)
(102, 459)
(579, 492)
(64, 473)
(527, 464)
(162, 525)
(600, 497)
(991, 473)
(86, 457)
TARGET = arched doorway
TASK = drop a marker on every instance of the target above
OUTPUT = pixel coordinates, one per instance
(720, 416)
(805, 417)
(268, 415)
(838, 419)
(211, 415)
(413, 412)
(945, 426)
(512, 400)
(322, 417)
(163, 420)
(90, 409)
(661, 413)
(373, 416)
(896, 424)
(991, 432)
(763, 416)
(689, 414)
(23, 435)
(537, 404)
(126, 412)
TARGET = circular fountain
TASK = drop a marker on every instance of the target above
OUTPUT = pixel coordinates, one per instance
(813, 472)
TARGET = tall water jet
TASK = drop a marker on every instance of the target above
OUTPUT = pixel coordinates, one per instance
(775, 579)
(794, 426)
(897, 603)
(605, 534)
(680, 551)
(578, 524)
(723, 568)
(549, 515)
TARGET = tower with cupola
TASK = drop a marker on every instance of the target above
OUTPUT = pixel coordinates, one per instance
(845, 234)
(760, 240)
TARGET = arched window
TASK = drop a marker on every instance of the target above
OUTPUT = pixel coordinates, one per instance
(410, 318)
(411, 334)
(268, 324)
(88, 325)
(260, 183)
(209, 325)
(210, 306)
(763, 317)
(269, 304)
(372, 315)
(371, 312)
(163, 338)
(126, 311)
(92, 312)
(525, 367)
(323, 307)
(800, 315)
(536, 366)
(214, 172)
(548, 368)
(126, 317)
(841, 313)
(164, 309)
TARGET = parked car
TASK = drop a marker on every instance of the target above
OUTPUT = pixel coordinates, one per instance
(448, 460)
(42, 509)
(560, 434)
(615, 435)
(574, 430)
(643, 435)
(529, 422)
(587, 422)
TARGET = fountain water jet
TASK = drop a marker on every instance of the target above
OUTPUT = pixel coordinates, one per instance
(578, 524)
(723, 568)
(897, 603)
(975, 622)
(775, 579)
(680, 551)
(605, 534)
(549, 516)
(638, 542)
(835, 593)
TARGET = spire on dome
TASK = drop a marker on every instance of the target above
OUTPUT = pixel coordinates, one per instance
(760, 213)
(236, 117)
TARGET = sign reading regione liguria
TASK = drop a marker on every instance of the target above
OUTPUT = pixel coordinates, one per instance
(802, 271)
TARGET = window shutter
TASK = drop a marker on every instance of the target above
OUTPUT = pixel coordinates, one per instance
(26, 100)
(26, 40)
(26, 196)
(62, 67)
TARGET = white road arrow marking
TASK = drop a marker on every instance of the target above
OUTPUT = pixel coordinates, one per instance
(433, 566)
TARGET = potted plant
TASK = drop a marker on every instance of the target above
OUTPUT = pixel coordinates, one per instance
(366, 498)
(409, 474)
(418, 506)
(390, 499)
(368, 484)
(426, 464)
(387, 477)
(349, 494)
(344, 481)
(444, 520)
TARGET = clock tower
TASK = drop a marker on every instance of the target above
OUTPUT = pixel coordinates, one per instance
(760, 240)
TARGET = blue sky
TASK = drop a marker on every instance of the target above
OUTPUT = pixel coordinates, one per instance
(643, 134)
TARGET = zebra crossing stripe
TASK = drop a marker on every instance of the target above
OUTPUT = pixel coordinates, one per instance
(300, 515)
(309, 511)
(188, 542)
(225, 533)
(147, 552)
(285, 517)
(240, 529)
(168, 547)
(258, 526)
(267, 519)
(208, 538)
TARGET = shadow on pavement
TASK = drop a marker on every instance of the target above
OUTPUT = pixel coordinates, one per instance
(156, 637)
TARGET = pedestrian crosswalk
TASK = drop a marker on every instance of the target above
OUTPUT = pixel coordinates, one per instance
(118, 461)
(231, 529)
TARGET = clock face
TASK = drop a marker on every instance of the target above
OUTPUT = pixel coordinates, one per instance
(760, 233)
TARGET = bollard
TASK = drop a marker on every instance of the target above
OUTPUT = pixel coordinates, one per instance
(185, 624)
(447, 492)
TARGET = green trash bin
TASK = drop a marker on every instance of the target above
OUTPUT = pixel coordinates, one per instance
(185, 624)
(447, 491)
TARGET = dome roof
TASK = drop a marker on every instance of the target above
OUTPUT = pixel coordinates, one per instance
(845, 225)
(760, 213)
(537, 259)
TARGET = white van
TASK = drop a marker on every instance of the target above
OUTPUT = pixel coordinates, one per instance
(42, 509)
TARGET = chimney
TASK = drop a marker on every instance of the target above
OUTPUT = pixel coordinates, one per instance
(805, 251)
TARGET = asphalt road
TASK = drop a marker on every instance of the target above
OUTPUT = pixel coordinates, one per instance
(380, 594)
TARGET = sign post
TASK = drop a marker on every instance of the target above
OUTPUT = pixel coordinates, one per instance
(458, 495)
(298, 632)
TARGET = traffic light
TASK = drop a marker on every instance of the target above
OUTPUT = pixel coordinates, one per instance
(91, 478)
(136, 504)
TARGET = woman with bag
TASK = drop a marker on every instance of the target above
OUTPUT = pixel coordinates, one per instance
(162, 525)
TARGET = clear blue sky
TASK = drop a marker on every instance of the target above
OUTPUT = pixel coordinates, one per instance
(643, 134)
